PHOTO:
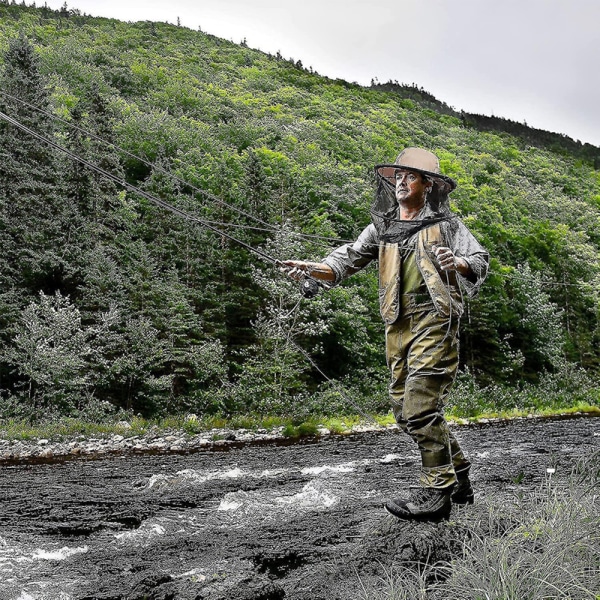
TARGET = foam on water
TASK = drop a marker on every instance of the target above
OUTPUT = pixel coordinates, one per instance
(18, 555)
(197, 574)
(194, 477)
(58, 554)
(344, 468)
(310, 497)
(388, 458)
(230, 504)
(42, 596)
(146, 532)
(28, 570)
(191, 476)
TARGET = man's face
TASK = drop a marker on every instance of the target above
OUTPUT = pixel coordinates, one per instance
(410, 186)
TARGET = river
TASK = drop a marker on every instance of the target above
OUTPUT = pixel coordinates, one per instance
(247, 522)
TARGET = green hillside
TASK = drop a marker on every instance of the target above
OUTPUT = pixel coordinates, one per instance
(108, 301)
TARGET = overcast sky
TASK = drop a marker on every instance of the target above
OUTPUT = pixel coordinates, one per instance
(533, 61)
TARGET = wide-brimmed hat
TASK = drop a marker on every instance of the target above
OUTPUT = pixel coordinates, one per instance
(420, 160)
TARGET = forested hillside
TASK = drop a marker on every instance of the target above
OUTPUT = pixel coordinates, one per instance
(108, 301)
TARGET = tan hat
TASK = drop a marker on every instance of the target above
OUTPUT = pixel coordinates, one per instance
(416, 159)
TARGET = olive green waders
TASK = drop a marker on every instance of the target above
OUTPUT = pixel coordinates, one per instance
(422, 355)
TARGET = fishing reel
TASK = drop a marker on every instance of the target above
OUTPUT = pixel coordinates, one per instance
(309, 287)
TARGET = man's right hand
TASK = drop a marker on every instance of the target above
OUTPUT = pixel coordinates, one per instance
(298, 269)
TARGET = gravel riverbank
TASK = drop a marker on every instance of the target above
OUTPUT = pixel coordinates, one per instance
(157, 440)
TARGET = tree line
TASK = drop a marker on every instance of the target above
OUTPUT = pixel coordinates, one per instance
(107, 302)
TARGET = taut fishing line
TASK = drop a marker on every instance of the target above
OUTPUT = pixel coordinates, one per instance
(150, 197)
(267, 227)
(308, 290)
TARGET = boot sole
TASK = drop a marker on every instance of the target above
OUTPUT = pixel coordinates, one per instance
(408, 516)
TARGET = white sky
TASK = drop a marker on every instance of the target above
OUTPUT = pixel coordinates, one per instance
(534, 61)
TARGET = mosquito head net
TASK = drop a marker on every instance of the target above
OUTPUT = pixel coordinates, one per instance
(385, 211)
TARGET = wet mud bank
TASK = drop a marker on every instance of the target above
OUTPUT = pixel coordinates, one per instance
(250, 521)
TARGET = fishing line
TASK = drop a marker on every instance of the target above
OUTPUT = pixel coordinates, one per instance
(134, 156)
(267, 226)
(154, 200)
(309, 286)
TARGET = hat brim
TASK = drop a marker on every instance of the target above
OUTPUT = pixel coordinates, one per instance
(388, 173)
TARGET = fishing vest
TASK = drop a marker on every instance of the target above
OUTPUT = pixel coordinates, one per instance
(442, 286)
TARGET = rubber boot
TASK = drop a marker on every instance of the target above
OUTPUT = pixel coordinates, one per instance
(422, 504)
(462, 492)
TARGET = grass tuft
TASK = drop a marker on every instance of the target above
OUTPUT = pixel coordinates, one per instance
(539, 546)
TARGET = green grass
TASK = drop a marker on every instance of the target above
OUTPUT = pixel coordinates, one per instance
(302, 429)
(550, 550)
(539, 546)
(65, 428)
(579, 407)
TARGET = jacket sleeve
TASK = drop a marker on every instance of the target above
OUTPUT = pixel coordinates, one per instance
(463, 243)
(351, 258)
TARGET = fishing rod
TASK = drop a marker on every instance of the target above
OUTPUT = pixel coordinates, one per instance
(309, 286)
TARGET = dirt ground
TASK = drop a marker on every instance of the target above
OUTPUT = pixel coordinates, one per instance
(250, 521)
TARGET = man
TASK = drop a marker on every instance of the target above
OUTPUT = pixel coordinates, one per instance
(426, 257)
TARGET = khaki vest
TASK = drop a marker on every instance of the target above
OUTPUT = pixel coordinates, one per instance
(442, 285)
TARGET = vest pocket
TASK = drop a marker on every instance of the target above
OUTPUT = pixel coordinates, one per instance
(390, 263)
(389, 302)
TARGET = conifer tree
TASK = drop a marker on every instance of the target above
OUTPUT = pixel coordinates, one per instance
(31, 211)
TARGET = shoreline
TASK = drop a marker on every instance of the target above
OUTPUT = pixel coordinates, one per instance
(178, 441)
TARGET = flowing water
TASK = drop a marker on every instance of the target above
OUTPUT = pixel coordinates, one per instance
(258, 522)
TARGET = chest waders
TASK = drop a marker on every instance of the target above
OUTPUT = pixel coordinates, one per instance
(421, 310)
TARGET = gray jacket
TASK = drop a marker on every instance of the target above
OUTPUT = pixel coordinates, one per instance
(351, 258)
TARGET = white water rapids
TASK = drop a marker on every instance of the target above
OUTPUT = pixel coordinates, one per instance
(32, 569)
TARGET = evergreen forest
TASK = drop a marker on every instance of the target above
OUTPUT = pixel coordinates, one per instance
(110, 304)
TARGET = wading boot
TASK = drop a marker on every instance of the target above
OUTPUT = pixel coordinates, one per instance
(462, 493)
(422, 504)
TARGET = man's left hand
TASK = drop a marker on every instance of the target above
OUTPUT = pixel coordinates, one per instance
(448, 261)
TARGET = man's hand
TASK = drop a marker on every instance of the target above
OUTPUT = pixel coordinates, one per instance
(298, 269)
(448, 261)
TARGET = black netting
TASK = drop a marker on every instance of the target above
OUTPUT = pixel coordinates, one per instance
(385, 210)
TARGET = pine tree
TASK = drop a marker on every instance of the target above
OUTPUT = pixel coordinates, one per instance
(31, 210)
